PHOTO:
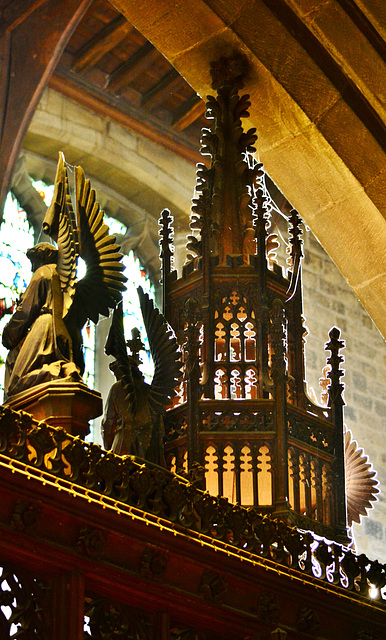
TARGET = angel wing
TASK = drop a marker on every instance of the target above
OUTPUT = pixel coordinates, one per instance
(101, 288)
(116, 346)
(165, 353)
(60, 224)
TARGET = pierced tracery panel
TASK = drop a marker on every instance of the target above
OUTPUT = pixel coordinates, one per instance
(293, 480)
(309, 482)
(265, 492)
(26, 608)
(251, 384)
(246, 476)
(221, 384)
(229, 478)
(327, 495)
(229, 420)
(108, 620)
(211, 470)
(236, 384)
(241, 472)
(234, 348)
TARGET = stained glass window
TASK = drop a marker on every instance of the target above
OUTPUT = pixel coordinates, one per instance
(16, 237)
(136, 276)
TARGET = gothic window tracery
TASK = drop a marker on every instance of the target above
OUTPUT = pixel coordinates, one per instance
(234, 348)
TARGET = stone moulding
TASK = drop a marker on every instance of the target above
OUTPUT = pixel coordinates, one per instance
(156, 496)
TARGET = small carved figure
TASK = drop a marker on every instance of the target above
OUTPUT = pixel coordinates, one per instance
(44, 333)
(249, 243)
(133, 421)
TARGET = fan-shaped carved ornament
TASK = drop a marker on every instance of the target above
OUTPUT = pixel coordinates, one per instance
(361, 483)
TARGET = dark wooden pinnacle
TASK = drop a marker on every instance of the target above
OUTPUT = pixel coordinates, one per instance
(166, 255)
(335, 388)
(231, 178)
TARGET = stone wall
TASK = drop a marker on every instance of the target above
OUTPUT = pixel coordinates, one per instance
(328, 302)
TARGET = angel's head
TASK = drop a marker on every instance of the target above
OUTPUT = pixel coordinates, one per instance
(43, 253)
(115, 369)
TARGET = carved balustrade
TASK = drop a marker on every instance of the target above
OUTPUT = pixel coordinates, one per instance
(127, 485)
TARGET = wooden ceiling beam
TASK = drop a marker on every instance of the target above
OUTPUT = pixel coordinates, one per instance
(132, 68)
(111, 35)
(188, 112)
(133, 120)
(157, 94)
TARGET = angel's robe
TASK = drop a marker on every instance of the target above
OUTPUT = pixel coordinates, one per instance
(140, 435)
(39, 343)
(117, 424)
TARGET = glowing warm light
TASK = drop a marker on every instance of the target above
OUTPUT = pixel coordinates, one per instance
(373, 592)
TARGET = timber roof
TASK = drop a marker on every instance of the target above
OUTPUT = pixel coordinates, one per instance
(112, 69)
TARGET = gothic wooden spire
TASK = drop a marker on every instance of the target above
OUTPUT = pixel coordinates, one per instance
(225, 190)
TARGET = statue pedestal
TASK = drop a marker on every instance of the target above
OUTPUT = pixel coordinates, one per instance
(69, 405)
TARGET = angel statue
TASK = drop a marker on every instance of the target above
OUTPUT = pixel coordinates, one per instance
(44, 334)
(133, 416)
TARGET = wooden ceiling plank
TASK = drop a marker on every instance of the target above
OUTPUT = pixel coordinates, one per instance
(111, 35)
(132, 68)
(188, 112)
(161, 90)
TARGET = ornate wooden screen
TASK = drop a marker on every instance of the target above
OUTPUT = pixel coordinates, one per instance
(95, 545)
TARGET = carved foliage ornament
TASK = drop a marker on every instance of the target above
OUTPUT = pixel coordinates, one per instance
(108, 620)
(153, 563)
(364, 633)
(188, 634)
(267, 608)
(308, 620)
(91, 542)
(213, 586)
(24, 515)
(25, 604)
(361, 482)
